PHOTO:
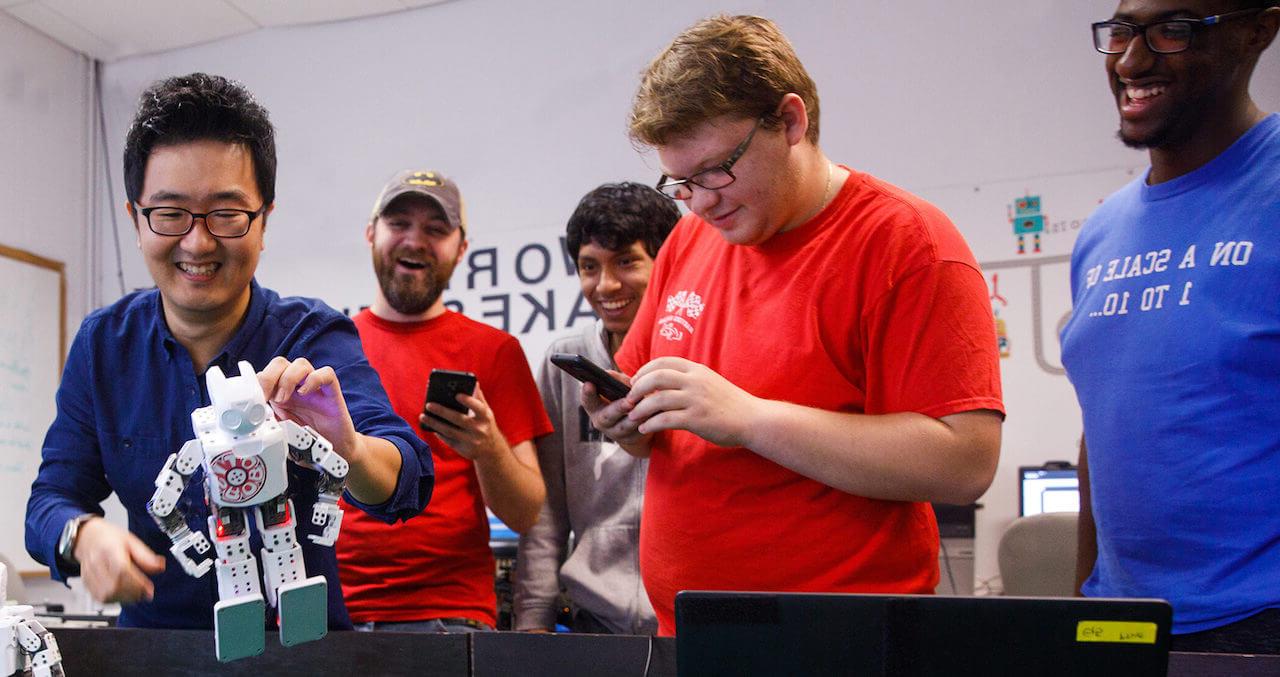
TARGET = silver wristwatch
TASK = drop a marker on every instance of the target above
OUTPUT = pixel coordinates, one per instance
(67, 542)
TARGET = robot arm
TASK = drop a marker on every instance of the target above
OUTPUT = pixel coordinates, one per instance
(40, 648)
(309, 449)
(163, 509)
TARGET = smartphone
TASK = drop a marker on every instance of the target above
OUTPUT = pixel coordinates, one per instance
(587, 371)
(443, 387)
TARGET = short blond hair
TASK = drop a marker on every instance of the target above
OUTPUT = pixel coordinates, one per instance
(723, 65)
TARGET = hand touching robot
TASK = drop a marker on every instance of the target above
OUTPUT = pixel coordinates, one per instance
(243, 448)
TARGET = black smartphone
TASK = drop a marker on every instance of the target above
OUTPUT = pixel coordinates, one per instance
(587, 371)
(443, 387)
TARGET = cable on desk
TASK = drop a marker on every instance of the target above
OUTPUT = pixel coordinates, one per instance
(946, 558)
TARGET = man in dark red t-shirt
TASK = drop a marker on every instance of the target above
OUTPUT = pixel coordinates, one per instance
(435, 572)
(814, 359)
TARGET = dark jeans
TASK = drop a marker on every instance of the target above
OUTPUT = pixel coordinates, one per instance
(1259, 633)
(436, 625)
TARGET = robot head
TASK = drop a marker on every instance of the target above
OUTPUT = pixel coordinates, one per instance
(238, 402)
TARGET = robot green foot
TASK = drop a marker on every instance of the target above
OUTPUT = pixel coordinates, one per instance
(237, 628)
(304, 613)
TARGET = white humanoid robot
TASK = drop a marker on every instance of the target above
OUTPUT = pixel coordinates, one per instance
(25, 645)
(243, 449)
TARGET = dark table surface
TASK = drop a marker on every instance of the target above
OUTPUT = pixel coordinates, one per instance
(154, 653)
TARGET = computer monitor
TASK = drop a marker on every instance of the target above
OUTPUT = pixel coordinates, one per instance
(499, 533)
(1053, 487)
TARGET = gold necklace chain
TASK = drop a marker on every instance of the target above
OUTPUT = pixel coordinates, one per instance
(826, 196)
(826, 193)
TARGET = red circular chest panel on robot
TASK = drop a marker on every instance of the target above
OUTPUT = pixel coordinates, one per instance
(239, 479)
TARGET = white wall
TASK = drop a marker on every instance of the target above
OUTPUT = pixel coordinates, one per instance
(45, 160)
(45, 154)
(969, 104)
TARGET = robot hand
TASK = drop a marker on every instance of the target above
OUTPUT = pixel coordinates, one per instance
(194, 540)
(329, 516)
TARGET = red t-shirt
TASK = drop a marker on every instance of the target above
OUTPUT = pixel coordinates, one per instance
(438, 564)
(874, 306)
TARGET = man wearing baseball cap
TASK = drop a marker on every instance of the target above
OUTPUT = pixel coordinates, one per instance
(435, 572)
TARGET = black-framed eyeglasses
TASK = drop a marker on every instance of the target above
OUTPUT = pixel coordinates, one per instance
(713, 178)
(176, 221)
(1168, 36)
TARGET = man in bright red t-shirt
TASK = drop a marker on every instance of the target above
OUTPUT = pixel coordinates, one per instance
(815, 358)
(435, 572)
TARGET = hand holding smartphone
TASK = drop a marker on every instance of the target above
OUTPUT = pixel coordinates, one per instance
(443, 387)
(587, 371)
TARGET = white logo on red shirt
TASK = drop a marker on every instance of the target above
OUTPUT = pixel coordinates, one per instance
(683, 304)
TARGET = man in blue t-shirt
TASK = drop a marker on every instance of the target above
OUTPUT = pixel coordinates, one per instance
(200, 177)
(1174, 342)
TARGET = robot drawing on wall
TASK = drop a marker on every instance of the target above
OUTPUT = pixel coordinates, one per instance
(1026, 218)
(243, 449)
(25, 645)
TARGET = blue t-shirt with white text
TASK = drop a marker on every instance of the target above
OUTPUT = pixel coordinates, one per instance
(1174, 350)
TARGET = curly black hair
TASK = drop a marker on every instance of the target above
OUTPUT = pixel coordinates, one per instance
(616, 214)
(199, 107)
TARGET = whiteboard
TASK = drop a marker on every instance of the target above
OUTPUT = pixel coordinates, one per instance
(33, 319)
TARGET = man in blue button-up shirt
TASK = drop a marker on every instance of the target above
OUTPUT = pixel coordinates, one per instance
(200, 177)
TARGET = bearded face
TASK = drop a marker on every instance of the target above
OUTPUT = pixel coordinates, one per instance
(414, 250)
(411, 281)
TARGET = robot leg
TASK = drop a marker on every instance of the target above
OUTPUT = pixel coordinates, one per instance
(238, 615)
(302, 602)
(237, 568)
(281, 555)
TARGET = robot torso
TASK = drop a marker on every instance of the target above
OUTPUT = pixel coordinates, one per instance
(245, 450)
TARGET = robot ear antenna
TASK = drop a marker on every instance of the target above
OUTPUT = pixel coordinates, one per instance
(246, 369)
(214, 379)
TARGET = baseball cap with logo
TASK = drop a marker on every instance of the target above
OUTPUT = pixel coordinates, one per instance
(434, 185)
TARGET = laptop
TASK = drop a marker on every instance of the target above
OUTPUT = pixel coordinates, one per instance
(1052, 487)
(753, 633)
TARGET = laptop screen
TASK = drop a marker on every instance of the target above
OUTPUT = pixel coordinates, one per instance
(1049, 488)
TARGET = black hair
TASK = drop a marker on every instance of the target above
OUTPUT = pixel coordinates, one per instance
(199, 107)
(616, 214)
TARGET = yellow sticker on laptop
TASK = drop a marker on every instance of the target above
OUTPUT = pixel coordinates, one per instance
(1116, 632)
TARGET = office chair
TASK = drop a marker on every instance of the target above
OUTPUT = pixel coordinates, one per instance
(1038, 555)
